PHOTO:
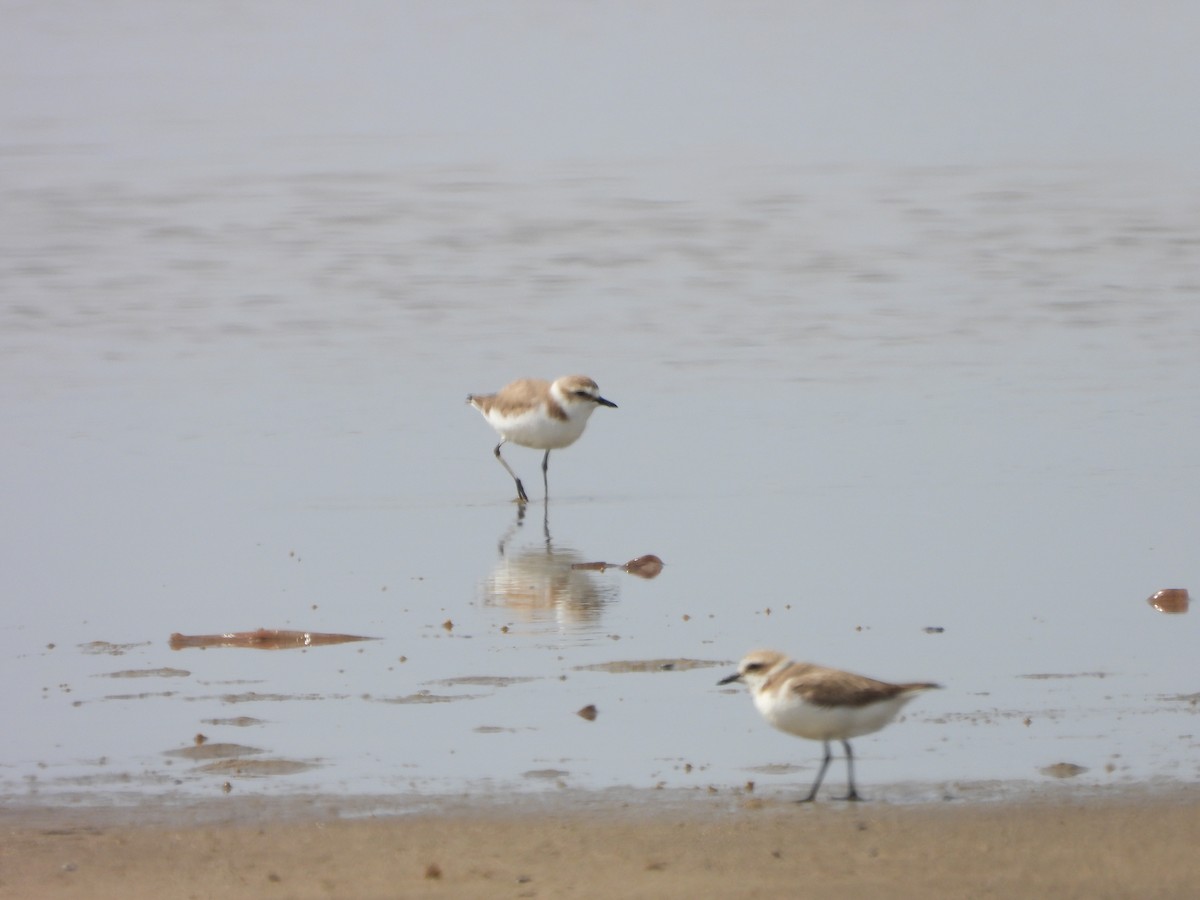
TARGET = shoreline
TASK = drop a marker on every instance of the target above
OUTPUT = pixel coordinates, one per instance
(261, 806)
(1135, 841)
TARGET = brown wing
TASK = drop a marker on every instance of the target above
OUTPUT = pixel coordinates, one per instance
(831, 687)
(518, 395)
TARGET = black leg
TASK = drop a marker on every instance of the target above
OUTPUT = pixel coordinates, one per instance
(545, 477)
(852, 794)
(522, 497)
(812, 795)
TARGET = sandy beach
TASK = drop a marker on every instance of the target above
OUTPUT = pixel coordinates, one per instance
(1127, 845)
(898, 306)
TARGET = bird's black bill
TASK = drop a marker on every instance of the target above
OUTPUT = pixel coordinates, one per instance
(604, 402)
(729, 679)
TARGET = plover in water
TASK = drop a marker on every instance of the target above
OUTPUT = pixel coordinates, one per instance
(822, 704)
(539, 414)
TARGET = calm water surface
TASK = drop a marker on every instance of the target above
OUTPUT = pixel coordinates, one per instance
(923, 422)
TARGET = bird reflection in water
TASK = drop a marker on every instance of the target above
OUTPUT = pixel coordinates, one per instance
(543, 583)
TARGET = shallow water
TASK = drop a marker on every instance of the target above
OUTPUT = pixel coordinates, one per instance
(922, 422)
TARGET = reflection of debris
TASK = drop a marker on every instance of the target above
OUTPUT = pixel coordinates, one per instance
(650, 665)
(484, 680)
(648, 566)
(426, 697)
(256, 767)
(542, 583)
(1063, 770)
(588, 712)
(108, 649)
(545, 773)
(1170, 600)
(776, 769)
(256, 697)
(148, 673)
(213, 751)
(1046, 676)
(263, 639)
(1193, 699)
(934, 629)
(145, 695)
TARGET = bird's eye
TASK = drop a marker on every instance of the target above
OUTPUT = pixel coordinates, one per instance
(753, 667)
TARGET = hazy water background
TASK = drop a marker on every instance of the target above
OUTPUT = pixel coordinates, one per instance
(901, 310)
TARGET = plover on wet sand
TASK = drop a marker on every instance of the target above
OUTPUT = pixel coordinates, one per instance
(822, 704)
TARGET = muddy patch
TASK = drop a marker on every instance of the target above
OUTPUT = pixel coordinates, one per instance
(1191, 699)
(256, 697)
(651, 665)
(105, 648)
(236, 721)
(427, 697)
(1045, 676)
(484, 680)
(545, 774)
(256, 768)
(213, 751)
(145, 695)
(778, 769)
(164, 672)
(1062, 770)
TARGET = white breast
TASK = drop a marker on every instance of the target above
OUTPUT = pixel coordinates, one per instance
(538, 430)
(821, 723)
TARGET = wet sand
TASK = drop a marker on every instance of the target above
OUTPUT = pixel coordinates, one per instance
(1135, 843)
